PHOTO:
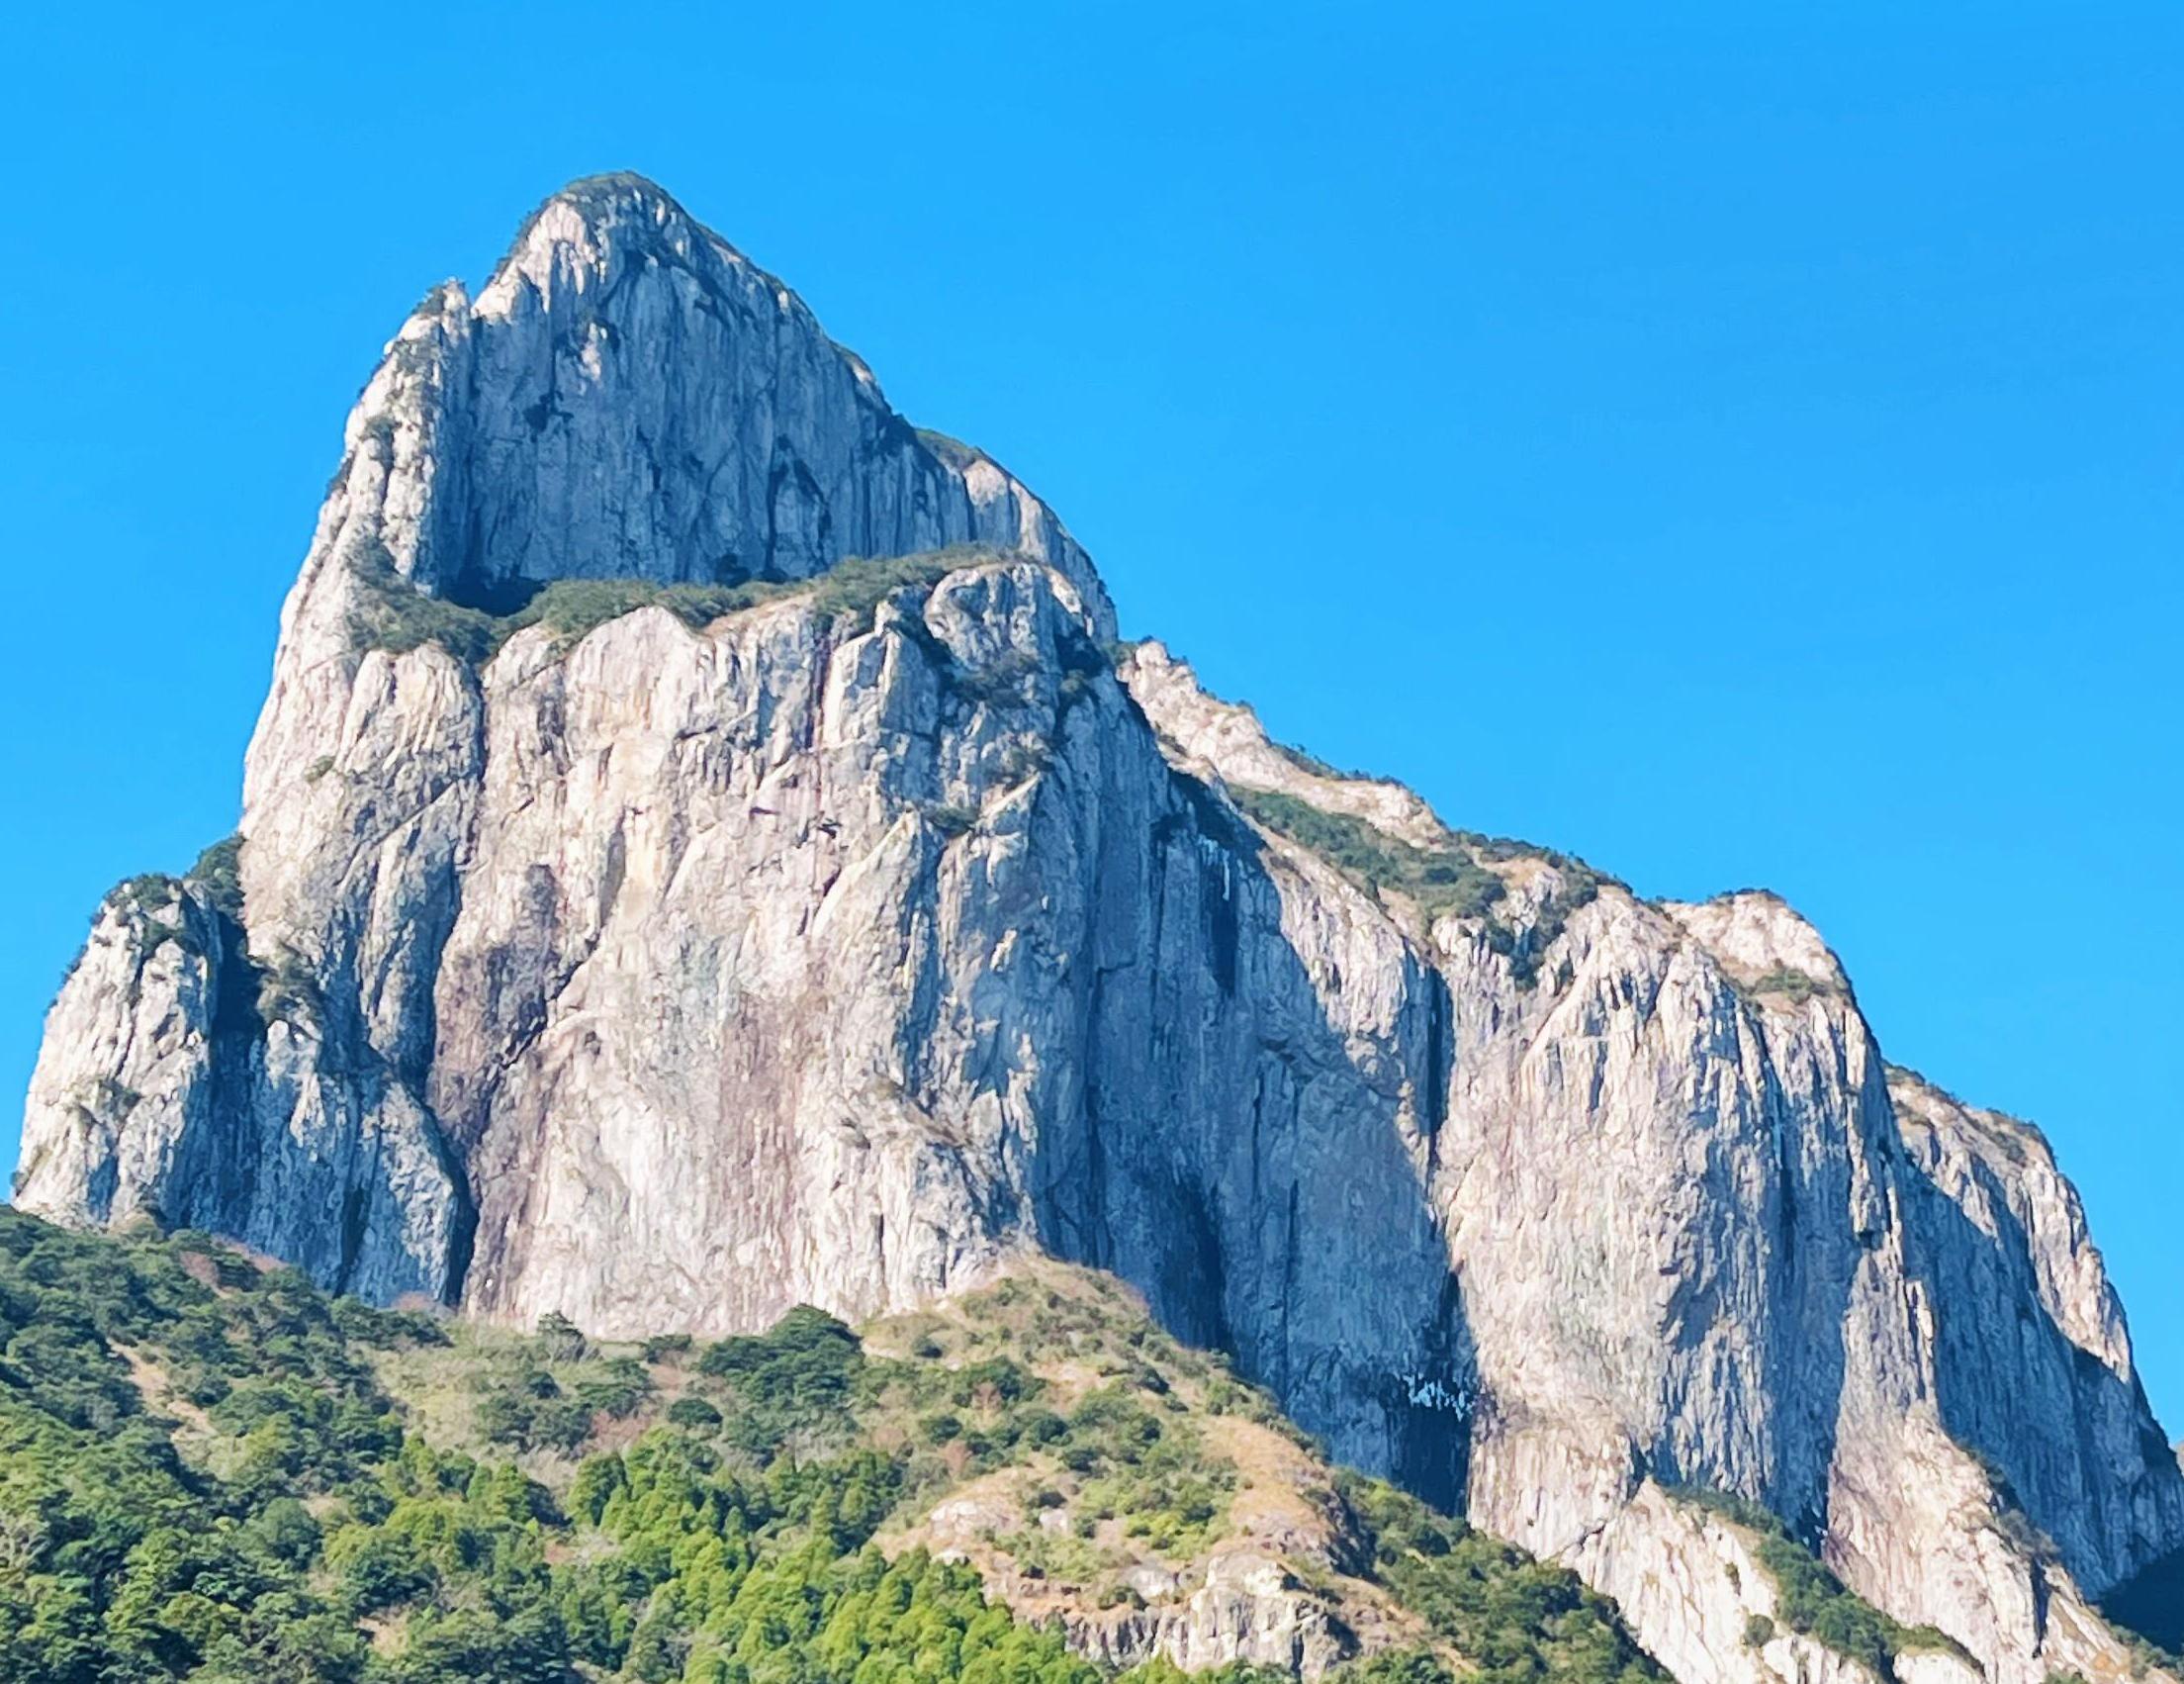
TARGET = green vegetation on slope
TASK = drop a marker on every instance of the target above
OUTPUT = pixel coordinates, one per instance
(1810, 1600)
(1495, 1604)
(1797, 986)
(212, 1471)
(1455, 880)
(397, 617)
(217, 873)
(1441, 881)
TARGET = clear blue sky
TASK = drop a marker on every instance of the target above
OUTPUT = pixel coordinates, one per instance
(1736, 449)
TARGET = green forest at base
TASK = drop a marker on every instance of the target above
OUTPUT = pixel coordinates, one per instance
(204, 1475)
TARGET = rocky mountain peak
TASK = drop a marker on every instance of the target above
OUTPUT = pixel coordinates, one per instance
(613, 204)
(787, 928)
(1761, 941)
(584, 238)
(629, 397)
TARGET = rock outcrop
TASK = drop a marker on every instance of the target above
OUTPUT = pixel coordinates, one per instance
(1695, 1581)
(1247, 1608)
(867, 933)
(1240, 1604)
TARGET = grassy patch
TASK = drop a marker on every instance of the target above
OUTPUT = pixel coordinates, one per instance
(288, 989)
(1811, 1601)
(1797, 986)
(1455, 880)
(150, 896)
(954, 452)
(1444, 880)
(397, 618)
(217, 876)
(1306, 762)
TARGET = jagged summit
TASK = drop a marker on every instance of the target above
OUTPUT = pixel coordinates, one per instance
(598, 222)
(609, 195)
(627, 396)
(849, 937)
(623, 210)
(611, 199)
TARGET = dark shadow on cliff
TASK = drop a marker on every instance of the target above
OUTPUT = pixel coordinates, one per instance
(2041, 1426)
(2151, 1603)
(1285, 1220)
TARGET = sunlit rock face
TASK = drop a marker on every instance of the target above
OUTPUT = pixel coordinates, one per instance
(629, 397)
(670, 971)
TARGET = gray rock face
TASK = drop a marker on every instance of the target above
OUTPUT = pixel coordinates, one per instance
(629, 397)
(183, 1079)
(1247, 1610)
(670, 976)
(1240, 1604)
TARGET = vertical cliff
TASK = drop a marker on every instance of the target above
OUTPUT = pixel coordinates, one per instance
(766, 927)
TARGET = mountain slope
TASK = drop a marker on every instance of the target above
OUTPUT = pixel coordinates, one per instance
(628, 933)
(210, 1470)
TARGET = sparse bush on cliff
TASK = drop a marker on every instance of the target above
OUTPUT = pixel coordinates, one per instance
(395, 616)
(1440, 880)
(1810, 1600)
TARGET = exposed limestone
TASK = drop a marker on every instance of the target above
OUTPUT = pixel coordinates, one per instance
(677, 975)
(1247, 1608)
(1240, 1604)
(1695, 1583)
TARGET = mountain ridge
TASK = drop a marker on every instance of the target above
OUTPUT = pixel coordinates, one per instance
(869, 946)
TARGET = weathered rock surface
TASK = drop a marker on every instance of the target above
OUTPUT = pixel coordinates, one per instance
(676, 975)
(1240, 1604)
(1247, 1608)
(1695, 1583)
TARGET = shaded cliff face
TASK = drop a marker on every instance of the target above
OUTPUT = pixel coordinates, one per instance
(838, 944)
